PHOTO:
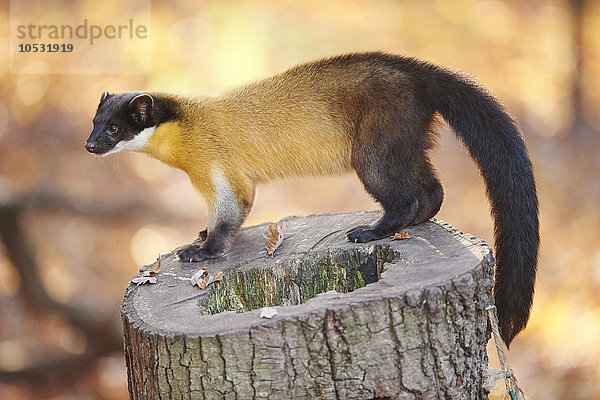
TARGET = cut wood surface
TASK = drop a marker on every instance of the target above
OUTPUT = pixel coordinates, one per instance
(398, 319)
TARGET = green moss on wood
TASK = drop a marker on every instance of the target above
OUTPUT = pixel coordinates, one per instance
(297, 281)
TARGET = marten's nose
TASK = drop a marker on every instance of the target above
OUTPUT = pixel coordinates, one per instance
(90, 146)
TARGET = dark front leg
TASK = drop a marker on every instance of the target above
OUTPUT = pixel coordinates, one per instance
(226, 217)
(215, 243)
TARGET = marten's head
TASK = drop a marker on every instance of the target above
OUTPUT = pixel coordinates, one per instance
(123, 122)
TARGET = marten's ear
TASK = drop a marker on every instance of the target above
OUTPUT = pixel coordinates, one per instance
(103, 97)
(142, 106)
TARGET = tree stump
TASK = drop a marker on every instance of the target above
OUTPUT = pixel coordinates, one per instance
(397, 319)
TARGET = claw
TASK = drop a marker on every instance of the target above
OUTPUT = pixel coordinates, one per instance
(193, 253)
(362, 234)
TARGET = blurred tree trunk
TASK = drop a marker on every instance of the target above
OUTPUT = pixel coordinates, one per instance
(579, 128)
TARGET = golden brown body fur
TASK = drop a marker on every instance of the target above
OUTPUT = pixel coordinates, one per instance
(286, 125)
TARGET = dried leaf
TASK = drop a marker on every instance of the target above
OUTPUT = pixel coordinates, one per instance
(140, 280)
(148, 276)
(275, 237)
(202, 278)
(154, 271)
(400, 236)
(198, 276)
(268, 312)
(218, 276)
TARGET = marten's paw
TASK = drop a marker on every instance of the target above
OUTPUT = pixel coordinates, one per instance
(361, 234)
(192, 253)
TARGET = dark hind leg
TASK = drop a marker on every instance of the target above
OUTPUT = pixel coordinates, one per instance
(398, 198)
(407, 198)
(389, 156)
(430, 193)
(395, 170)
(386, 170)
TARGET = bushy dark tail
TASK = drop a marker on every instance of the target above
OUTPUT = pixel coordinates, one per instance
(495, 142)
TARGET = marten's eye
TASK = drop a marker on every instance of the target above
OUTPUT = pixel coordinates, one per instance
(113, 129)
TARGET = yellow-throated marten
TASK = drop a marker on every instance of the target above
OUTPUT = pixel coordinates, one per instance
(371, 113)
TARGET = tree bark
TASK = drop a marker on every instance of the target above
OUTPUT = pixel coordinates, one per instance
(402, 319)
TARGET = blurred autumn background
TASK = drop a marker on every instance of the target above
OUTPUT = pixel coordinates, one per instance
(75, 228)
